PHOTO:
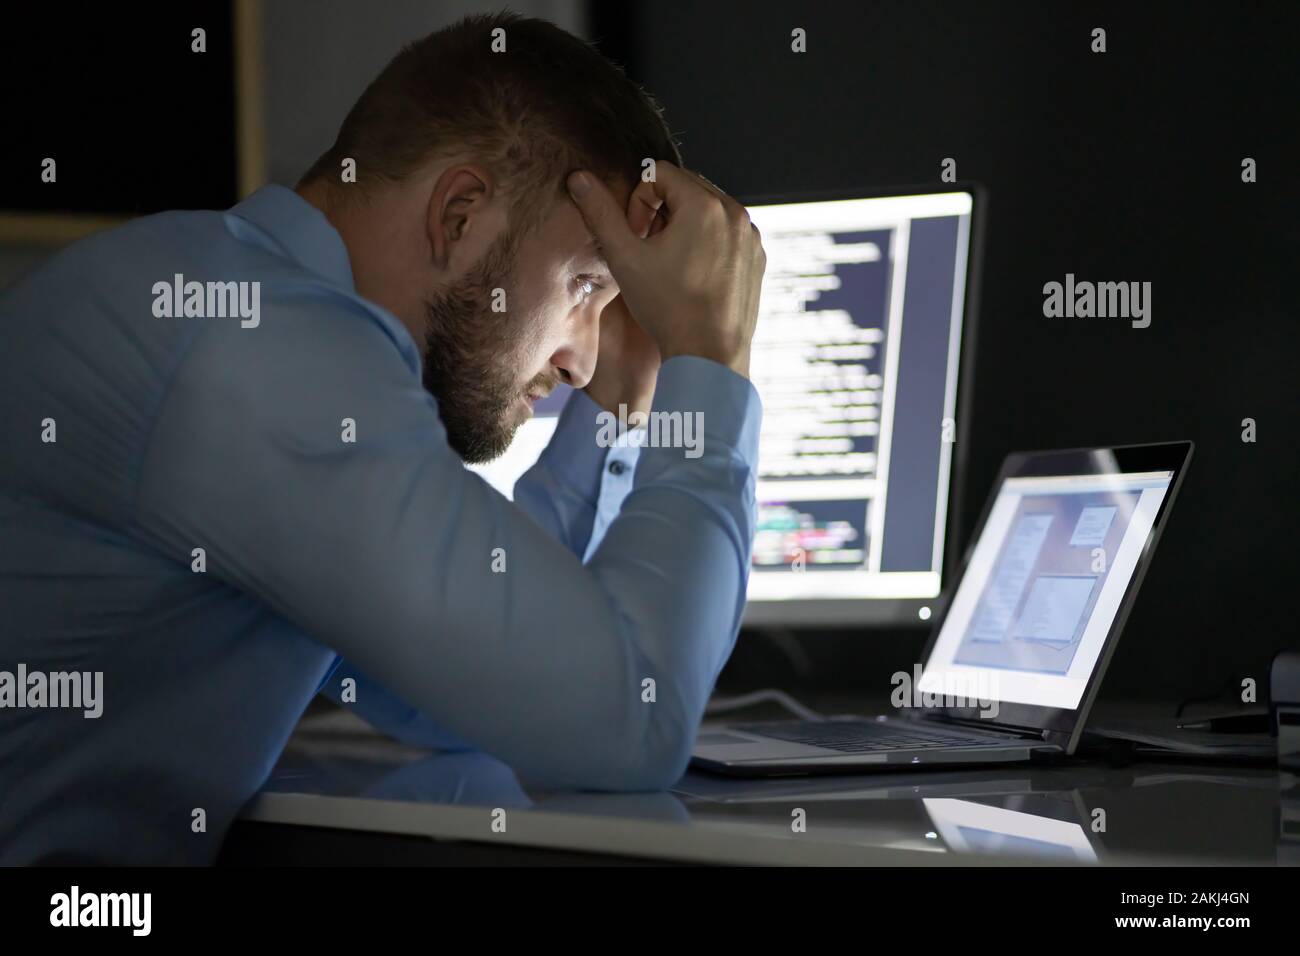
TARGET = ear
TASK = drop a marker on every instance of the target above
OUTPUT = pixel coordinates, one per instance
(458, 203)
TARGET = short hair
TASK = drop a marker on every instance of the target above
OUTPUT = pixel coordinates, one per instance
(547, 105)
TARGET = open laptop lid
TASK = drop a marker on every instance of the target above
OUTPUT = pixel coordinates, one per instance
(1045, 589)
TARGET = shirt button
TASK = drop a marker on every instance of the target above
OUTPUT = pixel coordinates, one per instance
(616, 467)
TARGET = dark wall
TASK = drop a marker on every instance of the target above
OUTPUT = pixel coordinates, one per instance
(136, 121)
(1117, 166)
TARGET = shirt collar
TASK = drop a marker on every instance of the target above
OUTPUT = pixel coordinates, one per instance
(304, 234)
(301, 230)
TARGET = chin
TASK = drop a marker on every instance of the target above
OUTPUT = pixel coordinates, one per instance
(488, 447)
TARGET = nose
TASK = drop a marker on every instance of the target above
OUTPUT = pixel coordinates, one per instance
(576, 360)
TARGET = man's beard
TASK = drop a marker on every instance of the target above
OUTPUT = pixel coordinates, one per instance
(472, 356)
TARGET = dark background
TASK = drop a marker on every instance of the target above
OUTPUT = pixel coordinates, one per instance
(1122, 166)
(136, 122)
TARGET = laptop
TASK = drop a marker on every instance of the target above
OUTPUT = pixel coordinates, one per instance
(1017, 654)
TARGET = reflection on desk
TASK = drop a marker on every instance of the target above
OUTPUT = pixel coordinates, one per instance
(338, 775)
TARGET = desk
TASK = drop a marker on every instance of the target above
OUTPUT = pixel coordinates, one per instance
(342, 794)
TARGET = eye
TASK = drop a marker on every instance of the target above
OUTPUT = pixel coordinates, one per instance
(587, 285)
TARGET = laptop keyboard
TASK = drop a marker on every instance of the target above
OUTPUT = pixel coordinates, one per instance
(867, 736)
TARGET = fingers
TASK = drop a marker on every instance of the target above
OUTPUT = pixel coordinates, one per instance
(603, 216)
(729, 203)
(673, 194)
(676, 188)
(734, 209)
(643, 211)
(658, 224)
(647, 210)
(649, 206)
(687, 260)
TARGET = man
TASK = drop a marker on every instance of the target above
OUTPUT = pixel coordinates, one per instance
(232, 464)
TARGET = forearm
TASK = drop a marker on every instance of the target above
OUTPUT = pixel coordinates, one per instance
(385, 550)
(384, 711)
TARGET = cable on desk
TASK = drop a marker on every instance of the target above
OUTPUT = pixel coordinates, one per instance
(770, 695)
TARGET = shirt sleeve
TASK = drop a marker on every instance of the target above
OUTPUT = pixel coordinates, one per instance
(383, 710)
(615, 485)
(577, 486)
(558, 492)
(308, 461)
(562, 489)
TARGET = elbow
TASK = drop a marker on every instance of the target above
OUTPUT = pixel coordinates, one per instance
(661, 764)
(646, 744)
(653, 752)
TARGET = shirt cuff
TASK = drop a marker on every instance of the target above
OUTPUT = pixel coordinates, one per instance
(729, 409)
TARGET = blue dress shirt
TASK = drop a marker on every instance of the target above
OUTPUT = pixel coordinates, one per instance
(366, 569)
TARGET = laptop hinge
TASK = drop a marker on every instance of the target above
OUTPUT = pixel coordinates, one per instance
(979, 723)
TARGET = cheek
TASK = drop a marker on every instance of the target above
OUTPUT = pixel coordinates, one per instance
(544, 324)
(528, 351)
(549, 328)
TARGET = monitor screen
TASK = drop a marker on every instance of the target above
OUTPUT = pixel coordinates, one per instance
(856, 358)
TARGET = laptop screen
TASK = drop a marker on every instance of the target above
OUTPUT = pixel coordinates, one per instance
(1043, 586)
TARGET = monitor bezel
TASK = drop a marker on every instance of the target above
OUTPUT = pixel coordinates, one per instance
(859, 611)
(1062, 725)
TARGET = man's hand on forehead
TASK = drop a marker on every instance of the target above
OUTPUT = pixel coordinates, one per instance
(645, 211)
(645, 217)
(628, 361)
(692, 282)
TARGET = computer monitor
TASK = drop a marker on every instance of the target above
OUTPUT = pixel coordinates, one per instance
(860, 357)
